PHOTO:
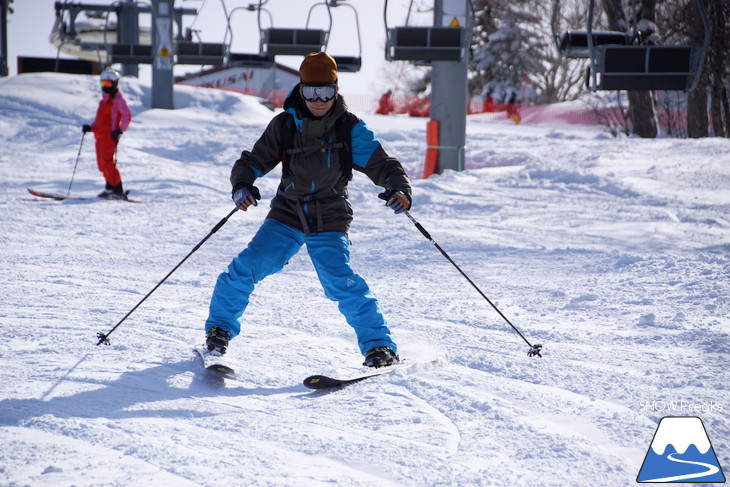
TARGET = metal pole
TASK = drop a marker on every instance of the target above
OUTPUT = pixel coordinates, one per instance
(534, 349)
(68, 193)
(162, 78)
(128, 32)
(104, 337)
(3, 38)
(449, 88)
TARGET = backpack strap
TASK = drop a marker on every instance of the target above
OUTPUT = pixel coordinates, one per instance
(301, 201)
(343, 134)
(287, 142)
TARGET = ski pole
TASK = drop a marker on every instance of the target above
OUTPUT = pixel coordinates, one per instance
(534, 349)
(104, 337)
(68, 193)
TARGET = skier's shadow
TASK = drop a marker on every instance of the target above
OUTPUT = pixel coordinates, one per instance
(115, 399)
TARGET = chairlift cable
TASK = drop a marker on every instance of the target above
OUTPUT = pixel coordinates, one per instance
(198, 13)
(357, 26)
(408, 16)
(228, 21)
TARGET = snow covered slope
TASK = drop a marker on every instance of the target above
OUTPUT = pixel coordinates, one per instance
(613, 253)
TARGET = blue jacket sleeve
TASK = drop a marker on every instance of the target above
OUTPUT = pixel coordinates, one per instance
(369, 157)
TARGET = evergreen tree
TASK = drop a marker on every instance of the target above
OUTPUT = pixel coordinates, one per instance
(507, 45)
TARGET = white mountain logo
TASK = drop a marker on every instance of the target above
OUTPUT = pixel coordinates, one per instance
(681, 452)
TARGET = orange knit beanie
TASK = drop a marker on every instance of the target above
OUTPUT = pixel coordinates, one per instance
(318, 67)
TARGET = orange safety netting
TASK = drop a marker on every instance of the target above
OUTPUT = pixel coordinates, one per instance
(559, 113)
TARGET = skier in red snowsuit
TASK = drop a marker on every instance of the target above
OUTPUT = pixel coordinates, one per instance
(112, 119)
(385, 104)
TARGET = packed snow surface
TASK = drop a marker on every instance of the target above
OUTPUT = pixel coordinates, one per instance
(612, 253)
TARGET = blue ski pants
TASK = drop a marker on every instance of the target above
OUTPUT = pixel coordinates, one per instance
(272, 247)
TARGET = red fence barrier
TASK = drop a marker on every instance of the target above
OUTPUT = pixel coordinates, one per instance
(421, 107)
(558, 113)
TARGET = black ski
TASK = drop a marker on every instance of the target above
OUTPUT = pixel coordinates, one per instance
(214, 369)
(324, 382)
(60, 197)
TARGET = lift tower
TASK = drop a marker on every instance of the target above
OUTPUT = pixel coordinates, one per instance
(4, 8)
(446, 48)
(449, 86)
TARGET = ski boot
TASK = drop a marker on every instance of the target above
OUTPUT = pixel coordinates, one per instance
(217, 340)
(118, 193)
(380, 357)
(108, 190)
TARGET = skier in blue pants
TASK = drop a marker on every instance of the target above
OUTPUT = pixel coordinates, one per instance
(319, 142)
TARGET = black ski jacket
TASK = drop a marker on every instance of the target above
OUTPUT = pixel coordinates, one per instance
(318, 157)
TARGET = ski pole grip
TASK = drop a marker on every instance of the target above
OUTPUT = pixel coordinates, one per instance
(223, 221)
(418, 226)
(423, 231)
(219, 225)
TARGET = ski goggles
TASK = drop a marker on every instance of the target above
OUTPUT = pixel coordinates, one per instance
(324, 93)
(106, 83)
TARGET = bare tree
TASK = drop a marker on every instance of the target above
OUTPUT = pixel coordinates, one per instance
(641, 105)
(609, 111)
(562, 78)
(684, 25)
(717, 63)
(670, 107)
(697, 123)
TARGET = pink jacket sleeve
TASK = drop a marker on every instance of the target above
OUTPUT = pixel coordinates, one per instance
(121, 116)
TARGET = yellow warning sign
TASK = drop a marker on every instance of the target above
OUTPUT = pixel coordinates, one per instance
(164, 52)
(454, 22)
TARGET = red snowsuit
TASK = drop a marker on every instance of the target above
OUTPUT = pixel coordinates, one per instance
(385, 104)
(112, 114)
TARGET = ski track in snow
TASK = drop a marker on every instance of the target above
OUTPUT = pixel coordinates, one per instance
(613, 253)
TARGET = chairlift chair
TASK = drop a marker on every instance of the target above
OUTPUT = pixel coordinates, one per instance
(645, 67)
(250, 60)
(188, 52)
(574, 43)
(345, 64)
(617, 63)
(422, 45)
(69, 38)
(130, 53)
(276, 41)
(240, 59)
(425, 44)
(90, 42)
(348, 64)
(292, 42)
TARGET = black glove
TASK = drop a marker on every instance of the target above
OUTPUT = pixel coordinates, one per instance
(116, 134)
(86, 128)
(398, 201)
